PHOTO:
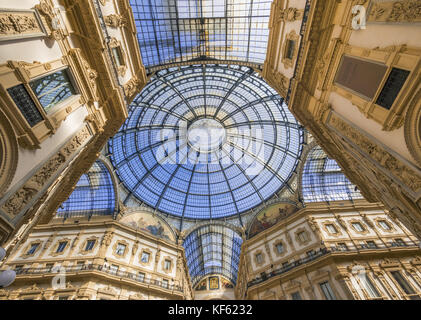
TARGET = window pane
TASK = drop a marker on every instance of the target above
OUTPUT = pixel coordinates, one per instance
(402, 282)
(327, 291)
(25, 104)
(53, 89)
(392, 87)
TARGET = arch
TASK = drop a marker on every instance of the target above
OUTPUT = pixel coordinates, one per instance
(8, 153)
(412, 128)
(269, 216)
(147, 221)
(94, 194)
(323, 180)
(213, 249)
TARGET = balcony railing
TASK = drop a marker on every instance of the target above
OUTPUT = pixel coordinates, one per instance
(325, 251)
(104, 269)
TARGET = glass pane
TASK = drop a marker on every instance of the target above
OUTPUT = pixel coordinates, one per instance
(25, 104)
(52, 89)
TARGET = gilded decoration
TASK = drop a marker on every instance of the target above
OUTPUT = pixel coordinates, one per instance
(377, 222)
(46, 8)
(19, 24)
(395, 11)
(213, 283)
(390, 163)
(24, 195)
(126, 249)
(291, 38)
(269, 216)
(115, 21)
(132, 87)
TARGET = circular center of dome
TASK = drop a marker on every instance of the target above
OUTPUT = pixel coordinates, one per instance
(206, 135)
(206, 142)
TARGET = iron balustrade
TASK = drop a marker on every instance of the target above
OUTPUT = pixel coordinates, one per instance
(100, 268)
(323, 252)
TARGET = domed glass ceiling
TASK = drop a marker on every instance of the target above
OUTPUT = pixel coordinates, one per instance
(206, 141)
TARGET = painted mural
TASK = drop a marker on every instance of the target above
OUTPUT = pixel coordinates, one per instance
(270, 216)
(145, 221)
(201, 286)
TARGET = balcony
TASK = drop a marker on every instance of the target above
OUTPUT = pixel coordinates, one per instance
(323, 252)
(102, 269)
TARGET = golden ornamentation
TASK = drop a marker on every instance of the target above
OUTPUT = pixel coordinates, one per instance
(121, 65)
(83, 246)
(115, 21)
(19, 24)
(126, 249)
(307, 236)
(24, 195)
(395, 11)
(292, 36)
(412, 127)
(132, 87)
(380, 156)
(8, 153)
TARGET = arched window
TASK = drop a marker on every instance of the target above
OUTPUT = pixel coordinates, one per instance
(213, 249)
(93, 194)
(323, 180)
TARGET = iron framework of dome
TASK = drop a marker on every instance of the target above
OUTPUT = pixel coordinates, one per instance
(186, 30)
(206, 141)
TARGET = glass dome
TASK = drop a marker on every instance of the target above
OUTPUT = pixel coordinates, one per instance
(206, 141)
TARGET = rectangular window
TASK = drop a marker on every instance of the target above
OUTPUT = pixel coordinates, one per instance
(290, 49)
(121, 248)
(167, 264)
(33, 248)
(371, 244)
(384, 225)
(280, 248)
(342, 246)
(392, 87)
(61, 246)
(331, 228)
(400, 242)
(302, 236)
(327, 291)
(114, 269)
(165, 283)
(90, 245)
(361, 76)
(117, 56)
(52, 89)
(145, 257)
(402, 282)
(141, 276)
(25, 104)
(357, 226)
(296, 296)
(369, 286)
(259, 258)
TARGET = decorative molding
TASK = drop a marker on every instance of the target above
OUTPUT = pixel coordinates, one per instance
(126, 248)
(284, 248)
(412, 126)
(20, 24)
(395, 11)
(171, 264)
(122, 65)
(54, 252)
(255, 254)
(307, 236)
(115, 21)
(292, 36)
(140, 256)
(84, 243)
(26, 193)
(389, 163)
(8, 153)
(132, 88)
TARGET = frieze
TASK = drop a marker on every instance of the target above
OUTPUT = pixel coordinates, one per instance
(23, 196)
(20, 24)
(408, 176)
(395, 11)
